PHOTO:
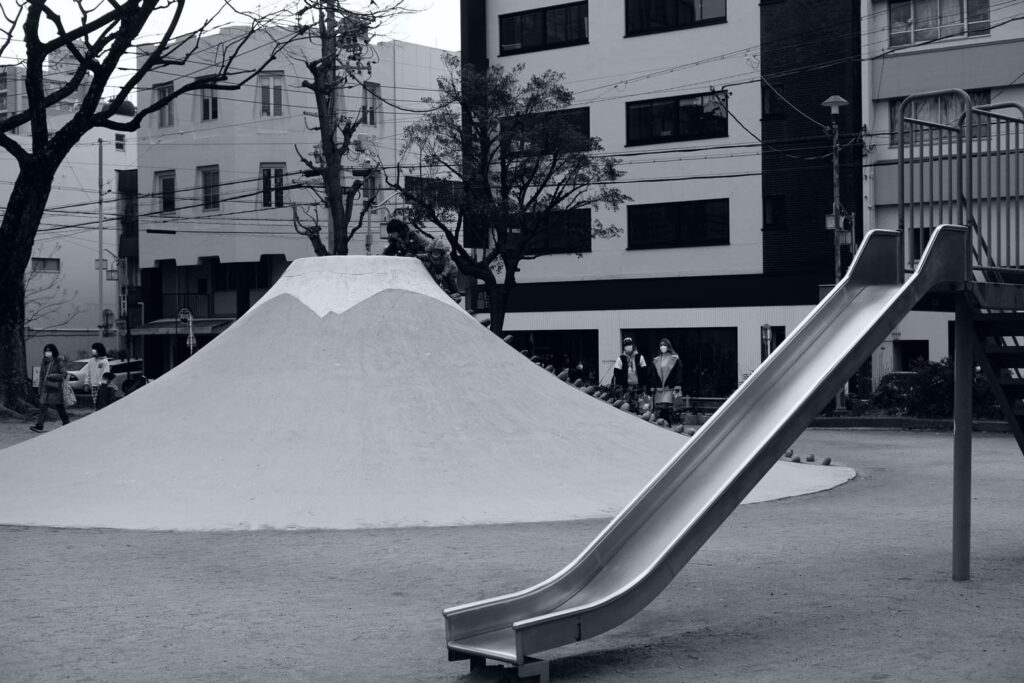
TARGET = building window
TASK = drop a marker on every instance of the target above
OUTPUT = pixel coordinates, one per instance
(772, 104)
(569, 233)
(525, 140)
(165, 117)
(945, 110)
(655, 16)
(543, 29)
(3, 101)
(209, 179)
(272, 185)
(371, 100)
(774, 212)
(271, 89)
(919, 21)
(669, 119)
(209, 100)
(165, 190)
(119, 140)
(45, 265)
(678, 224)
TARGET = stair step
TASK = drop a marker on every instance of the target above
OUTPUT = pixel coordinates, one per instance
(1005, 356)
(1013, 388)
(999, 324)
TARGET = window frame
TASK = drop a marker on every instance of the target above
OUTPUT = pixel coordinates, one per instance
(272, 185)
(978, 96)
(634, 216)
(166, 201)
(208, 104)
(269, 84)
(543, 23)
(678, 26)
(676, 135)
(209, 192)
(964, 28)
(372, 100)
(39, 262)
(543, 245)
(120, 140)
(773, 205)
(165, 115)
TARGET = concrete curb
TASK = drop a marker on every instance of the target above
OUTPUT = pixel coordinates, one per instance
(905, 423)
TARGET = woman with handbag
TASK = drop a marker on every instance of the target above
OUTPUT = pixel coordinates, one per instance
(52, 378)
(668, 376)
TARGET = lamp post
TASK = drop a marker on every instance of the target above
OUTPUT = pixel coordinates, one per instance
(834, 104)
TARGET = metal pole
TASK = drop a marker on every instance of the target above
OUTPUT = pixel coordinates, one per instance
(99, 251)
(963, 371)
(837, 224)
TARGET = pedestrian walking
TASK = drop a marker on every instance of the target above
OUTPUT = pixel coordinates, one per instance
(97, 366)
(668, 378)
(52, 376)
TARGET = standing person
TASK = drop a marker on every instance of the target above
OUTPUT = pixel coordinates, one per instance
(630, 371)
(402, 241)
(97, 367)
(52, 375)
(108, 391)
(668, 378)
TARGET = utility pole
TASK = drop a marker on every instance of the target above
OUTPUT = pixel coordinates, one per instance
(834, 103)
(99, 251)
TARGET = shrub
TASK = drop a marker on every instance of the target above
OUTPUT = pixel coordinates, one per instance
(927, 391)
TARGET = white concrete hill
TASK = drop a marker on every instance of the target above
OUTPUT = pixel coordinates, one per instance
(355, 394)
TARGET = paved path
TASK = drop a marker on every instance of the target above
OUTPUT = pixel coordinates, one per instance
(849, 584)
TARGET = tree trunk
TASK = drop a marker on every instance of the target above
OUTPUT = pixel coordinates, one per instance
(17, 234)
(497, 301)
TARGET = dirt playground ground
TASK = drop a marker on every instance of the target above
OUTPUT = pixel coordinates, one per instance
(851, 584)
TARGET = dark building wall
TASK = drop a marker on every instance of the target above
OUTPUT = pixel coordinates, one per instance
(810, 50)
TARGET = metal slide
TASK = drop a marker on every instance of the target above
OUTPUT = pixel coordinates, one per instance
(640, 551)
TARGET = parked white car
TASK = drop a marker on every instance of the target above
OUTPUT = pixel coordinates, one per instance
(120, 368)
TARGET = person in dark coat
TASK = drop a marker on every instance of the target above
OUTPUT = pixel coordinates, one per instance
(667, 373)
(631, 373)
(52, 375)
(402, 241)
(107, 392)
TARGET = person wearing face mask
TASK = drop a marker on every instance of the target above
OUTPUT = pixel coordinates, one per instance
(630, 374)
(97, 367)
(51, 387)
(668, 376)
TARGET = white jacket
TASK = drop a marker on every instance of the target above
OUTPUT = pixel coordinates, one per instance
(95, 370)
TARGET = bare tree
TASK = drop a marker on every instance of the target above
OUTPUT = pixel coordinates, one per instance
(344, 61)
(98, 42)
(48, 304)
(508, 172)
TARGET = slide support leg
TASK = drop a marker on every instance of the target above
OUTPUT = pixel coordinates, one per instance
(963, 375)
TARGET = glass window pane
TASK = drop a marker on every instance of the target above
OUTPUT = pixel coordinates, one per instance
(663, 119)
(556, 27)
(712, 9)
(533, 30)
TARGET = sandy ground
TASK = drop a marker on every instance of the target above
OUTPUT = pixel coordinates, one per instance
(850, 584)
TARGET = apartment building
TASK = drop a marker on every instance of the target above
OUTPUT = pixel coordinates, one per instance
(72, 293)
(221, 184)
(717, 110)
(920, 46)
(675, 90)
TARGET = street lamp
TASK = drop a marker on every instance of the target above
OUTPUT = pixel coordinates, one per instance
(834, 104)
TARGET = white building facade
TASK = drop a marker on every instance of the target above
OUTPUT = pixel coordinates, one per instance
(221, 183)
(70, 301)
(674, 93)
(911, 47)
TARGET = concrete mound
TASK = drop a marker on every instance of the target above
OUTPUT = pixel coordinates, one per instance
(355, 394)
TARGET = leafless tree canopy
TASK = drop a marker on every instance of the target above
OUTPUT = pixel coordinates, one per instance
(104, 50)
(343, 61)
